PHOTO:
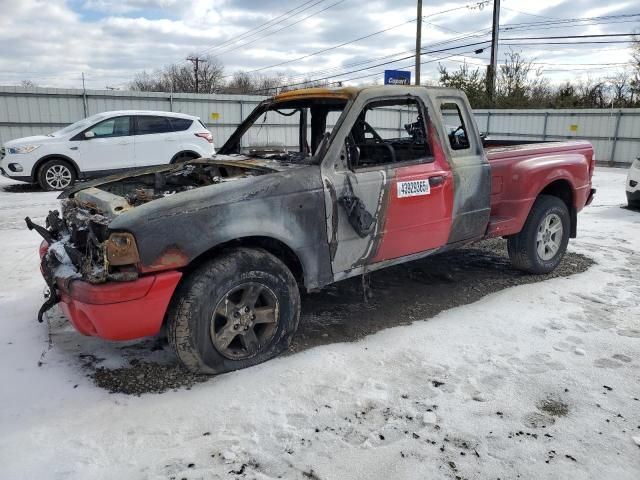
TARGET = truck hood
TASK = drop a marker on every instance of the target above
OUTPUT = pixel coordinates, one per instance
(110, 197)
(241, 165)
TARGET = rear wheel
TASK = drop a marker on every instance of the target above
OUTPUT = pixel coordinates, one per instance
(237, 310)
(56, 175)
(542, 243)
(183, 157)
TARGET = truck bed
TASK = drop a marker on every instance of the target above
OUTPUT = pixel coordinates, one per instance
(518, 169)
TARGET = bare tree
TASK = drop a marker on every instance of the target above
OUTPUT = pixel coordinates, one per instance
(634, 82)
(621, 88)
(180, 78)
(27, 83)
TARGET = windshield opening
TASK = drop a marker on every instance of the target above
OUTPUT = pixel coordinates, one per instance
(290, 131)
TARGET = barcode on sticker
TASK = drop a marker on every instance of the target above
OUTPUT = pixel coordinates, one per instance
(413, 188)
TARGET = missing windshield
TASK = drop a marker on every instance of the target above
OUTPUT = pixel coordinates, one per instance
(287, 131)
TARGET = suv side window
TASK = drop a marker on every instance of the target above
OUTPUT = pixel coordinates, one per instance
(113, 127)
(180, 124)
(147, 124)
(387, 132)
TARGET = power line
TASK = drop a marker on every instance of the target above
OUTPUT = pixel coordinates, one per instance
(282, 28)
(505, 27)
(265, 25)
(327, 49)
(527, 13)
(377, 65)
(468, 6)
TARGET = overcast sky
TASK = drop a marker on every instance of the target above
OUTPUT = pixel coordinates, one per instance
(51, 42)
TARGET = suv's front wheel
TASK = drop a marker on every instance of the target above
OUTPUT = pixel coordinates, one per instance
(56, 175)
(237, 310)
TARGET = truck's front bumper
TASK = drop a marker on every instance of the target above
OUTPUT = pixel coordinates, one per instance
(117, 310)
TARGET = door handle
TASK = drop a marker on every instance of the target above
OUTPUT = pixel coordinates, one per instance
(436, 180)
(123, 143)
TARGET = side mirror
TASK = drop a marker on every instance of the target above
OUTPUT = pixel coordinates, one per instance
(89, 134)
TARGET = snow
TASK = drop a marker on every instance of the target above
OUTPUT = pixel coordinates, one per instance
(536, 381)
(65, 267)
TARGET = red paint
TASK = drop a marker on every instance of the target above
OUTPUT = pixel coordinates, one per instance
(170, 259)
(119, 310)
(416, 224)
(524, 171)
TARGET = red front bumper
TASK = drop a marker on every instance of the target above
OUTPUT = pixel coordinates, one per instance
(119, 310)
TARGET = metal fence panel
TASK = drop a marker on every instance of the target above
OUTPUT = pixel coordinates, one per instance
(614, 133)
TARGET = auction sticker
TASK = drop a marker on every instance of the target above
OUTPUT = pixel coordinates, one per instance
(413, 188)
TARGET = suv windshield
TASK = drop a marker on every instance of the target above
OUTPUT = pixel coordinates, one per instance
(80, 124)
(290, 130)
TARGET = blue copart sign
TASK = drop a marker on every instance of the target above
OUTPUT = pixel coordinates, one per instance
(397, 77)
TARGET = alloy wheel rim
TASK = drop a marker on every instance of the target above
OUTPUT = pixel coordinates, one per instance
(244, 321)
(58, 176)
(549, 237)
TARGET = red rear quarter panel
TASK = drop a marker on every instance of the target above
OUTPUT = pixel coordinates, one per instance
(519, 174)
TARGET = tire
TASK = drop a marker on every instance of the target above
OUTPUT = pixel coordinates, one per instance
(56, 175)
(537, 248)
(214, 306)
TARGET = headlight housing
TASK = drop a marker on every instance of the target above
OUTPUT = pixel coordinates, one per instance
(121, 249)
(23, 149)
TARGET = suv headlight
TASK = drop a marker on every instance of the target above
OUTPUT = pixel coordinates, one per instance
(636, 163)
(23, 149)
(121, 249)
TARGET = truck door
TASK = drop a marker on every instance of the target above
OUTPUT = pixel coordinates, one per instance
(388, 187)
(470, 168)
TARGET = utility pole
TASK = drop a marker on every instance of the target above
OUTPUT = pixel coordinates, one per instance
(196, 63)
(493, 67)
(418, 40)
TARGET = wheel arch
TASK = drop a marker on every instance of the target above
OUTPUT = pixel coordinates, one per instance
(190, 153)
(276, 247)
(54, 156)
(563, 190)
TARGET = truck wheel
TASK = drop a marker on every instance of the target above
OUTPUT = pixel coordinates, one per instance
(235, 311)
(56, 175)
(541, 244)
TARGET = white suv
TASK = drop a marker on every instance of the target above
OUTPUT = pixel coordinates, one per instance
(103, 144)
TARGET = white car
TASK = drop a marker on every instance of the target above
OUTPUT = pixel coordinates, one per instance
(633, 184)
(103, 144)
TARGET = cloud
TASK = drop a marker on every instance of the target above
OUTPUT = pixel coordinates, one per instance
(127, 6)
(52, 42)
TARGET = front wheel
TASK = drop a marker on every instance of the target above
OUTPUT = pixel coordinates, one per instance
(234, 311)
(542, 242)
(56, 175)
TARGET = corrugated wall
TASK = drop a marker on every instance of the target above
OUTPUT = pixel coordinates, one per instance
(614, 133)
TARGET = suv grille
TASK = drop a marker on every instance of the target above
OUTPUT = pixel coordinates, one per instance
(2, 153)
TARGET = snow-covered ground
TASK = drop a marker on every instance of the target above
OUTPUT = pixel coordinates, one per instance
(536, 381)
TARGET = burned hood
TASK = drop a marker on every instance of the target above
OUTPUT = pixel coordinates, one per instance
(242, 162)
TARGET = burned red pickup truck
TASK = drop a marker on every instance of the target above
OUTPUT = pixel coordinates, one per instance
(217, 249)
